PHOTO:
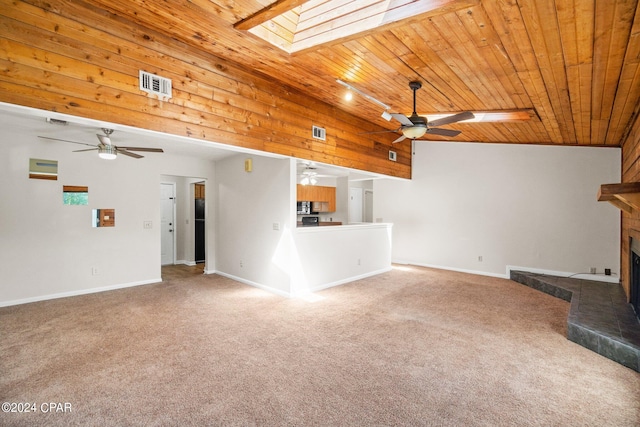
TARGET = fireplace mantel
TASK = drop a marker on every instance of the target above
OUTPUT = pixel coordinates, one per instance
(624, 196)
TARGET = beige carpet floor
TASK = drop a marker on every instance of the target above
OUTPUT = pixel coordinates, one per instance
(414, 346)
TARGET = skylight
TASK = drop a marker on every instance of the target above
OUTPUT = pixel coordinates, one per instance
(297, 25)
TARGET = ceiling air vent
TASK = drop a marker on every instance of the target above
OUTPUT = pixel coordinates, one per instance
(156, 85)
(59, 122)
(319, 133)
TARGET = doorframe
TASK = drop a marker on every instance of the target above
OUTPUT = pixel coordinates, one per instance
(192, 215)
(361, 195)
(365, 206)
(173, 235)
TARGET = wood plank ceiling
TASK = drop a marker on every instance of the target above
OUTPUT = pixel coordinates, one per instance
(572, 63)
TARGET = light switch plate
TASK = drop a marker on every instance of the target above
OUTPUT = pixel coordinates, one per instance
(148, 224)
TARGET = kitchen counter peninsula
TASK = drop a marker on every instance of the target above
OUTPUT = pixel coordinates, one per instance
(321, 224)
(333, 255)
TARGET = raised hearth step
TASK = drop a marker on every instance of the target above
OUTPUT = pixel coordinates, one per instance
(600, 318)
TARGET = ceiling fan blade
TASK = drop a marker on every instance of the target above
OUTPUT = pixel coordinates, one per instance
(64, 140)
(88, 149)
(401, 138)
(402, 119)
(467, 115)
(151, 150)
(104, 139)
(443, 132)
(127, 153)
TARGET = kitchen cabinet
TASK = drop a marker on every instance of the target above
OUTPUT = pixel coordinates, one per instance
(326, 196)
(320, 207)
(303, 193)
(198, 190)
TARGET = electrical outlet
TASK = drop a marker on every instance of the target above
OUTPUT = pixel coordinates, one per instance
(479, 258)
(94, 271)
(276, 226)
(241, 264)
(358, 261)
(592, 270)
(607, 272)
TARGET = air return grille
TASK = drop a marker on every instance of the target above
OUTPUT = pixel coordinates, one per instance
(319, 133)
(157, 85)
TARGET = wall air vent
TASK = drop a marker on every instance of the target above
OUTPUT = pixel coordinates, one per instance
(319, 133)
(59, 122)
(156, 85)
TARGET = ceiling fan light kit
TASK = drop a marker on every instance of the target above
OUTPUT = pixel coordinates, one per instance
(413, 132)
(107, 152)
(308, 180)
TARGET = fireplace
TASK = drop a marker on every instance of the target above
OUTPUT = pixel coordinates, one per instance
(634, 276)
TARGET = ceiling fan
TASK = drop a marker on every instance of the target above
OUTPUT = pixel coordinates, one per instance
(106, 150)
(308, 173)
(415, 126)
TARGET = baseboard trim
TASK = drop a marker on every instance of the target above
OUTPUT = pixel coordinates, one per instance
(342, 281)
(304, 292)
(77, 293)
(254, 284)
(584, 276)
(459, 270)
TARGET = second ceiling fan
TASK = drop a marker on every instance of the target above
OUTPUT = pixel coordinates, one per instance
(106, 150)
(416, 126)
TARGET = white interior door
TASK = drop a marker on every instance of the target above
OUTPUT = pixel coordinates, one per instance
(368, 205)
(355, 205)
(167, 222)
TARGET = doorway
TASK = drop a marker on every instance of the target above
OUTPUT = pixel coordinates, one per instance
(167, 223)
(199, 222)
(635, 283)
(368, 205)
(355, 205)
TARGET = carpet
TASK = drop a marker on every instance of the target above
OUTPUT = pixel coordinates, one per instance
(414, 346)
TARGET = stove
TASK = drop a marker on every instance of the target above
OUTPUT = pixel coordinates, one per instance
(310, 221)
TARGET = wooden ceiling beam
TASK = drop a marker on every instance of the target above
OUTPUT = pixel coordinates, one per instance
(274, 9)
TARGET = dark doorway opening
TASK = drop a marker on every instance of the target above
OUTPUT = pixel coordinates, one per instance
(635, 283)
(199, 223)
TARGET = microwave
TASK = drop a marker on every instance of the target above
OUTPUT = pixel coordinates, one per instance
(304, 208)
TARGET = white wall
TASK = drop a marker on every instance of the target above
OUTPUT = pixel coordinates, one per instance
(248, 205)
(48, 249)
(514, 205)
(342, 201)
(329, 256)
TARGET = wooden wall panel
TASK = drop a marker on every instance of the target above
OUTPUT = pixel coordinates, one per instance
(630, 222)
(71, 58)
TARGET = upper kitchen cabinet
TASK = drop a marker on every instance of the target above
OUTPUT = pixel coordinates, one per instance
(317, 193)
(198, 191)
(301, 192)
